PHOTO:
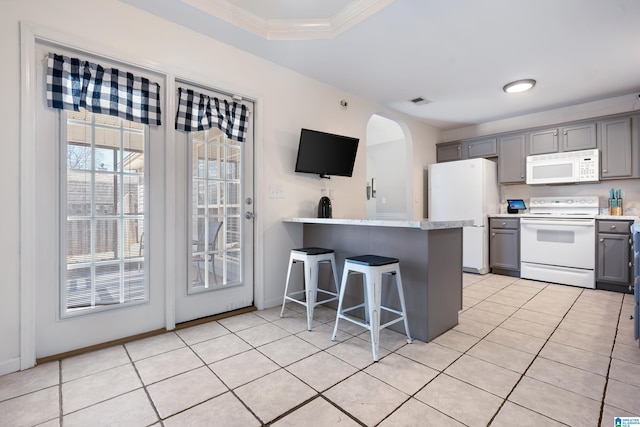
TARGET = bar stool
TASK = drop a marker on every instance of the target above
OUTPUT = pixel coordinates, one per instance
(372, 267)
(311, 257)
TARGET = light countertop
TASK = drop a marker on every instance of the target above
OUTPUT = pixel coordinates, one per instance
(421, 224)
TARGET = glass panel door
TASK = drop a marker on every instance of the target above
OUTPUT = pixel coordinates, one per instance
(216, 208)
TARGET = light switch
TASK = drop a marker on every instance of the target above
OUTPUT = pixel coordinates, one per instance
(276, 191)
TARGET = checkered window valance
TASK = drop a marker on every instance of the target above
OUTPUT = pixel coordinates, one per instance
(197, 111)
(73, 83)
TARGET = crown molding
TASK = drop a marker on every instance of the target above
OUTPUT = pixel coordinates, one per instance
(291, 29)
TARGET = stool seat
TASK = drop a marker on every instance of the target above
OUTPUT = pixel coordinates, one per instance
(372, 268)
(312, 257)
(314, 251)
(372, 260)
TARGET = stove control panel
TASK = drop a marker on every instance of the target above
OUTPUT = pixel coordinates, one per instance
(564, 205)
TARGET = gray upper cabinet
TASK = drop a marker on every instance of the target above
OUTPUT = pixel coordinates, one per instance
(616, 147)
(568, 138)
(578, 137)
(449, 151)
(511, 159)
(617, 137)
(487, 147)
(543, 141)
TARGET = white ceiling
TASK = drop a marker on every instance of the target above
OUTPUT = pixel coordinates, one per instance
(456, 53)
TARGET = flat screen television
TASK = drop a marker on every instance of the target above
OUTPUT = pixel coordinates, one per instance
(326, 154)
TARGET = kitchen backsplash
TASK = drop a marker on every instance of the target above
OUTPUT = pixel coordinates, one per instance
(630, 193)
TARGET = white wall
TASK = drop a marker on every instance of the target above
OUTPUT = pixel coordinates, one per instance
(111, 28)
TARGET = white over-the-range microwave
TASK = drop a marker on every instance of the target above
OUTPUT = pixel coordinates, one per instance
(563, 168)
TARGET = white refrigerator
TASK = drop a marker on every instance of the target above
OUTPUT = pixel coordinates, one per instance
(466, 189)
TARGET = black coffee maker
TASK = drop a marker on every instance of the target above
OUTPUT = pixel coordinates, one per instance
(324, 207)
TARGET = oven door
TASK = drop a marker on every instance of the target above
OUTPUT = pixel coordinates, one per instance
(560, 242)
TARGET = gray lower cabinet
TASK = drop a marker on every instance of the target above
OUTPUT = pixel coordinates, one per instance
(448, 151)
(512, 159)
(504, 246)
(613, 251)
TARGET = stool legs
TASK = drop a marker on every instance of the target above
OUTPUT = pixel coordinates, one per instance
(311, 273)
(343, 287)
(402, 304)
(372, 281)
(286, 286)
(311, 286)
(374, 296)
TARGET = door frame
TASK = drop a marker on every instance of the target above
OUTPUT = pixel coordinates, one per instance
(30, 34)
(183, 213)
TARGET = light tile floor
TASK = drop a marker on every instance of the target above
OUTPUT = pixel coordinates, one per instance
(525, 353)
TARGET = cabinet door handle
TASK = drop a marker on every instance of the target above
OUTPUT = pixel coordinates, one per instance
(601, 240)
(493, 234)
(604, 171)
(630, 264)
(613, 227)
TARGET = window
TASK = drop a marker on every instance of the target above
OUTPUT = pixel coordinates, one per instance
(102, 211)
(216, 207)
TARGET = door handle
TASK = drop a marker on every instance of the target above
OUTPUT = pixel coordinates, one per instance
(249, 215)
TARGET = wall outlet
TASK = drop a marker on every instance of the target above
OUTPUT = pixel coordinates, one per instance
(276, 191)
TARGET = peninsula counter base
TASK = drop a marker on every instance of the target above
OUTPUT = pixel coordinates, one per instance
(430, 265)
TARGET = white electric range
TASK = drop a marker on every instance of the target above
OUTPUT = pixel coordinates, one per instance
(557, 240)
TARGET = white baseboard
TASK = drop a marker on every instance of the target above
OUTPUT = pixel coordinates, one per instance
(9, 366)
(273, 302)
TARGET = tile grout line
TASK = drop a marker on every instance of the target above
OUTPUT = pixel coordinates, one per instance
(606, 381)
(537, 354)
(531, 363)
(320, 394)
(60, 392)
(505, 399)
(144, 387)
(441, 372)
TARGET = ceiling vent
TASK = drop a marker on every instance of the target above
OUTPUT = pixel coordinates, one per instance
(420, 101)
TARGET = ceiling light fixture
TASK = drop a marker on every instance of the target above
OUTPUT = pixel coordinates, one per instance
(519, 86)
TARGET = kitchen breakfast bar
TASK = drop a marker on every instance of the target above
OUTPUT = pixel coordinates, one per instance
(430, 254)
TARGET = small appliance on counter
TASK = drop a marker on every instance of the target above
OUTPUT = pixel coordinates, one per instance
(514, 206)
(324, 207)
